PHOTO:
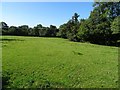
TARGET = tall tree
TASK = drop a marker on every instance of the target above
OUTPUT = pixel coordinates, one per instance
(73, 26)
(38, 29)
(63, 31)
(84, 30)
(4, 28)
(23, 30)
(101, 17)
(115, 27)
(13, 30)
(52, 31)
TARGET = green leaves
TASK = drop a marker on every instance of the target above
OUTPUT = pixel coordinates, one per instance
(115, 26)
(69, 30)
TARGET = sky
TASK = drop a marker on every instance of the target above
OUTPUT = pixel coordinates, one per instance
(45, 13)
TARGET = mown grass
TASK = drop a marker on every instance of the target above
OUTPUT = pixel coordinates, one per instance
(37, 62)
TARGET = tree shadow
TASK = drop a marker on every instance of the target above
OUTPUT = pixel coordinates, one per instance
(11, 40)
(77, 53)
(5, 82)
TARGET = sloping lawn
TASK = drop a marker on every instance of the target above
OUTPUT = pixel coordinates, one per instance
(35, 62)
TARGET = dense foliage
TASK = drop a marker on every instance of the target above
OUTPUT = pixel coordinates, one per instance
(102, 26)
(25, 30)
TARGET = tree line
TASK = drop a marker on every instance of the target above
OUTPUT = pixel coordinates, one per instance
(101, 27)
(25, 30)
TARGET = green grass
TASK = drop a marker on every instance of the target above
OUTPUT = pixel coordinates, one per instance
(36, 62)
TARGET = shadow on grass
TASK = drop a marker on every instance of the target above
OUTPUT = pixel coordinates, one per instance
(5, 82)
(5, 79)
(11, 40)
(77, 53)
(51, 85)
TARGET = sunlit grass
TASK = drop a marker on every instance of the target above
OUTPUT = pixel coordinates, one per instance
(34, 62)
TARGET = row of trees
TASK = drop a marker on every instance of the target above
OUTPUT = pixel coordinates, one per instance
(102, 26)
(25, 30)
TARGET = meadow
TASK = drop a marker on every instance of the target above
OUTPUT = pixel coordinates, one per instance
(40, 62)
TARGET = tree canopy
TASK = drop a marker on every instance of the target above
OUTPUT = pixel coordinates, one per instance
(101, 27)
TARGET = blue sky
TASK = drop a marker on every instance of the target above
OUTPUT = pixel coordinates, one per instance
(45, 13)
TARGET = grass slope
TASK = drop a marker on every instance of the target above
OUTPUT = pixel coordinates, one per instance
(35, 62)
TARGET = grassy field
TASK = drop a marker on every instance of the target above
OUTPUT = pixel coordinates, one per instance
(36, 62)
